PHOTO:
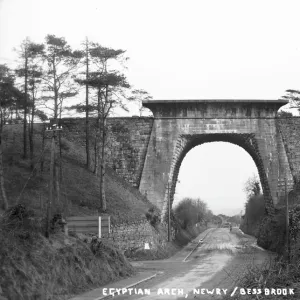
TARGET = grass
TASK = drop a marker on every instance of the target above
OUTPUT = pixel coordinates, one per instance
(274, 274)
(33, 267)
(277, 273)
(79, 194)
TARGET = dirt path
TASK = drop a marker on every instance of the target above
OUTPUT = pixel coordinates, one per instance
(217, 263)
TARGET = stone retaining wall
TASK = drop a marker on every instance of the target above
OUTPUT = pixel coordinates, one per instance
(132, 236)
(290, 131)
(128, 139)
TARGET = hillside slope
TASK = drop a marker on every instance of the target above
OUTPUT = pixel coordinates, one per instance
(33, 267)
(79, 191)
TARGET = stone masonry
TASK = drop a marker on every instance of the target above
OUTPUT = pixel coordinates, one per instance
(134, 235)
(147, 152)
(290, 131)
(128, 139)
(181, 125)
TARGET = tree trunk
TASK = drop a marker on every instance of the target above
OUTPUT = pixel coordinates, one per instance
(102, 169)
(87, 125)
(51, 185)
(31, 145)
(30, 142)
(2, 186)
(56, 175)
(25, 107)
(60, 148)
(55, 121)
(55, 88)
(43, 148)
(96, 149)
(97, 140)
(57, 189)
(60, 157)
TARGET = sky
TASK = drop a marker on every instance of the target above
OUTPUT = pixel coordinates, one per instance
(194, 49)
(222, 170)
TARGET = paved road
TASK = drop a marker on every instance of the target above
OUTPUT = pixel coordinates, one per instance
(209, 272)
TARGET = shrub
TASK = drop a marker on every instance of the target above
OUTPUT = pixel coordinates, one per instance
(21, 221)
(191, 211)
(271, 234)
(65, 144)
(153, 216)
(254, 213)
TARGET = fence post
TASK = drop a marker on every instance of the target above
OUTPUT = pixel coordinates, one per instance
(99, 226)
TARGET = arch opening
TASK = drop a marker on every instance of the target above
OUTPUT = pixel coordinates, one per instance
(246, 141)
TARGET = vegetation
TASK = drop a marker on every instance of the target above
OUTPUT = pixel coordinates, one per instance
(293, 96)
(252, 187)
(29, 59)
(190, 211)
(108, 86)
(236, 219)
(10, 97)
(284, 114)
(48, 75)
(153, 216)
(79, 191)
(283, 271)
(79, 195)
(34, 267)
(254, 207)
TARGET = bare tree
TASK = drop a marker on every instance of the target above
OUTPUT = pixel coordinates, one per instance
(252, 187)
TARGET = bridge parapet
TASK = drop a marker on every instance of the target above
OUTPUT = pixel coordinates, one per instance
(214, 109)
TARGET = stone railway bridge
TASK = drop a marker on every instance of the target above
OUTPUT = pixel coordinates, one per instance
(148, 151)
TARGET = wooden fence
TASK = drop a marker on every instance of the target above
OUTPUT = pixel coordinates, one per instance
(99, 225)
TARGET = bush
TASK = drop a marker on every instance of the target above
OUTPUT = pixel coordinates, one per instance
(271, 234)
(191, 211)
(255, 208)
(153, 216)
(65, 144)
(19, 221)
(254, 213)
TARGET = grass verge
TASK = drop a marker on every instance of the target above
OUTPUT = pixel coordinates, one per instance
(33, 267)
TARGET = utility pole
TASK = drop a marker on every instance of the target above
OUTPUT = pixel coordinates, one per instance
(52, 128)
